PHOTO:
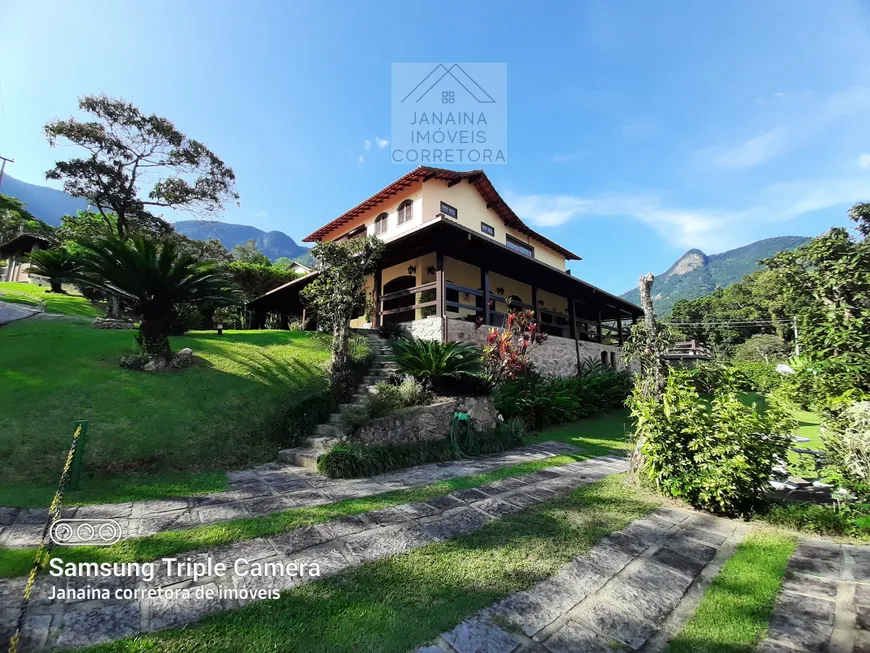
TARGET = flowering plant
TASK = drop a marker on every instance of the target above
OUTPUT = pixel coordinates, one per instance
(506, 354)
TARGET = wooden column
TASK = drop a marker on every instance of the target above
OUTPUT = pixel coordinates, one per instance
(376, 300)
(535, 304)
(439, 284)
(600, 335)
(484, 284)
(619, 328)
(572, 316)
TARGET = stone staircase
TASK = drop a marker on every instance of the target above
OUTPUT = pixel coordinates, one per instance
(327, 434)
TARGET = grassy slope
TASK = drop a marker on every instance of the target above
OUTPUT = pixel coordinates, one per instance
(219, 413)
(31, 295)
(401, 602)
(594, 442)
(734, 613)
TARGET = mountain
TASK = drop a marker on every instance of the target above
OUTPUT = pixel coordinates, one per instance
(273, 244)
(695, 274)
(49, 205)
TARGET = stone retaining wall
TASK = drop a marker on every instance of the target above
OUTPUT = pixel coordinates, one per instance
(426, 329)
(426, 423)
(554, 357)
(108, 323)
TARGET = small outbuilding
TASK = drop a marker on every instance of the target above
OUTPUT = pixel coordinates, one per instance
(16, 249)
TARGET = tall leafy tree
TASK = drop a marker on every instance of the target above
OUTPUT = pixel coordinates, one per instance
(153, 278)
(135, 164)
(339, 290)
(248, 252)
(14, 217)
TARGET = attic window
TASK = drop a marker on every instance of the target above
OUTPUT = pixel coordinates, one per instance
(449, 211)
(381, 224)
(520, 247)
(406, 212)
(487, 229)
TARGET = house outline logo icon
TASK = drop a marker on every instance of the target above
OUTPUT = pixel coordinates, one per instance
(459, 75)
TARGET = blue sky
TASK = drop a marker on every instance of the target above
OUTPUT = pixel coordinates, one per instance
(636, 130)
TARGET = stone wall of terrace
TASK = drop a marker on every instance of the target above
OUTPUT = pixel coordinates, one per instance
(554, 357)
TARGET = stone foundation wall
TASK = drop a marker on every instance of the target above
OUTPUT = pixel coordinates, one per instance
(425, 423)
(426, 329)
(107, 323)
(554, 357)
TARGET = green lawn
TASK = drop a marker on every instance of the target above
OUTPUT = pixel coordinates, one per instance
(33, 295)
(598, 436)
(398, 603)
(223, 412)
(734, 613)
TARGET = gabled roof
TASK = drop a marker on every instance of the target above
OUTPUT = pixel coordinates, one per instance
(477, 178)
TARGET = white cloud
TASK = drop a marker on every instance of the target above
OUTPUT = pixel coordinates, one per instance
(710, 229)
(755, 150)
(382, 143)
(367, 144)
(864, 161)
(361, 159)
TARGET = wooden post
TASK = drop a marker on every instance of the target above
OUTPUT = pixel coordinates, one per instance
(484, 284)
(619, 328)
(376, 299)
(600, 335)
(535, 304)
(572, 315)
(439, 284)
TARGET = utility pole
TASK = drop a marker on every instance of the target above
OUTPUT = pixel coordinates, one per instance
(797, 347)
(3, 167)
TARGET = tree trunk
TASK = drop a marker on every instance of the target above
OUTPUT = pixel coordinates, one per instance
(113, 306)
(653, 367)
(154, 333)
(56, 287)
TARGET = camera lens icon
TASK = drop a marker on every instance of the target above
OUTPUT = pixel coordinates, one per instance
(78, 532)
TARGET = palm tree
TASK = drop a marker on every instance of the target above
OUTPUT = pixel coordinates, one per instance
(153, 277)
(56, 264)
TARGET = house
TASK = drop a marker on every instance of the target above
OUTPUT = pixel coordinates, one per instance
(457, 254)
(16, 249)
(301, 268)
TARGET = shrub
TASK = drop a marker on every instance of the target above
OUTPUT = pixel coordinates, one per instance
(707, 376)
(829, 521)
(348, 460)
(461, 385)
(717, 457)
(386, 399)
(758, 377)
(762, 348)
(427, 359)
(539, 401)
(393, 330)
(846, 435)
(507, 352)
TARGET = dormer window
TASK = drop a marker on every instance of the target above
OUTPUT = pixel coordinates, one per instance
(406, 212)
(381, 223)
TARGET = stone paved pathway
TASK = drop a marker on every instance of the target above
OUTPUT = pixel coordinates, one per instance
(824, 602)
(335, 545)
(10, 312)
(274, 487)
(634, 590)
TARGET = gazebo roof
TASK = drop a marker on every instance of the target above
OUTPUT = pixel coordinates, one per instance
(23, 243)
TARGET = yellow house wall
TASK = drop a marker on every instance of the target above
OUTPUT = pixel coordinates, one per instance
(472, 211)
(391, 206)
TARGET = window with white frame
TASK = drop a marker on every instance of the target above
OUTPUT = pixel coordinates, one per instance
(381, 223)
(405, 212)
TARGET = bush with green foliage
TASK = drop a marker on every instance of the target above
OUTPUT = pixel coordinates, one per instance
(348, 460)
(845, 520)
(386, 399)
(55, 264)
(393, 330)
(256, 279)
(429, 359)
(846, 436)
(540, 401)
(763, 348)
(757, 377)
(716, 456)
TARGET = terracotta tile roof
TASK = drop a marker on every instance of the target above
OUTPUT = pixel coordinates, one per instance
(477, 178)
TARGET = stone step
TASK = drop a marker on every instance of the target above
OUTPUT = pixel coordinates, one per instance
(329, 430)
(300, 456)
(385, 365)
(371, 379)
(323, 444)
